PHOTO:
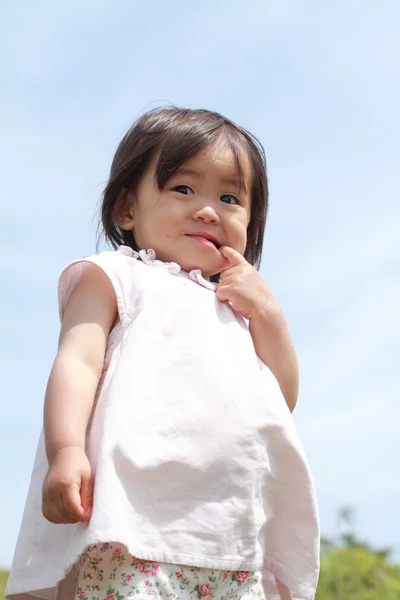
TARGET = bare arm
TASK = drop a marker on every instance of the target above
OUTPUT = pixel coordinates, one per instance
(89, 315)
(273, 344)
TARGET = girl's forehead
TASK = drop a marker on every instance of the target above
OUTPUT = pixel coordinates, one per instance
(221, 161)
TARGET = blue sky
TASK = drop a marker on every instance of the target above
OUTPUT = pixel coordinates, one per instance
(318, 84)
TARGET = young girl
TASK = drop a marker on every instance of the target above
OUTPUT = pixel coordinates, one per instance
(170, 465)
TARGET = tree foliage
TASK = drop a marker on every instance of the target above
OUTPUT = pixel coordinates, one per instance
(357, 573)
(3, 579)
(352, 570)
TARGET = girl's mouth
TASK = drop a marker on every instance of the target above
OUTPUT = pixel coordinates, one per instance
(206, 242)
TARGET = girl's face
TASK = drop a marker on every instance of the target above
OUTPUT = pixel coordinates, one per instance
(201, 208)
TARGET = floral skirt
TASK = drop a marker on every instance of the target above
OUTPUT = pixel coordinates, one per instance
(108, 572)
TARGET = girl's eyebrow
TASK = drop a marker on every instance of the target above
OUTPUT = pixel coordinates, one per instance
(187, 171)
(201, 175)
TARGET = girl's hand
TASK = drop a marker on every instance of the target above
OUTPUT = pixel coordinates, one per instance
(242, 286)
(68, 487)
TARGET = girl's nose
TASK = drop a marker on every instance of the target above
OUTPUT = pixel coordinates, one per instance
(207, 214)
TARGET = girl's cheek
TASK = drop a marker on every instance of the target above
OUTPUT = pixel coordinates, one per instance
(241, 236)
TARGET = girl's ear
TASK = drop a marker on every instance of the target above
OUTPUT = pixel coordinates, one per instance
(123, 210)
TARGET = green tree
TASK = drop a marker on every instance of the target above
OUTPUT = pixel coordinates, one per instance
(3, 579)
(352, 570)
(358, 573)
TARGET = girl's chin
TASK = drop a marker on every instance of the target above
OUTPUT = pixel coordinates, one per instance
(207, 267)
(207, 261)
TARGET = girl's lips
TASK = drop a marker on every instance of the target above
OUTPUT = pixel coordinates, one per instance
(204, 241)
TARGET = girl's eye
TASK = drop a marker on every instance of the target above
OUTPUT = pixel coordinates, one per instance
(229, 199)
(183, 189)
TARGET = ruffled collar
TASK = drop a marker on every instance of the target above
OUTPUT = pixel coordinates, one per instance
(148, 257)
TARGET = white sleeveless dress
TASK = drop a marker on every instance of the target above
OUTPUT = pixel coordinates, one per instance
(196, 456)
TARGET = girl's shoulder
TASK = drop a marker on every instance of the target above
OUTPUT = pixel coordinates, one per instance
(118, 265)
